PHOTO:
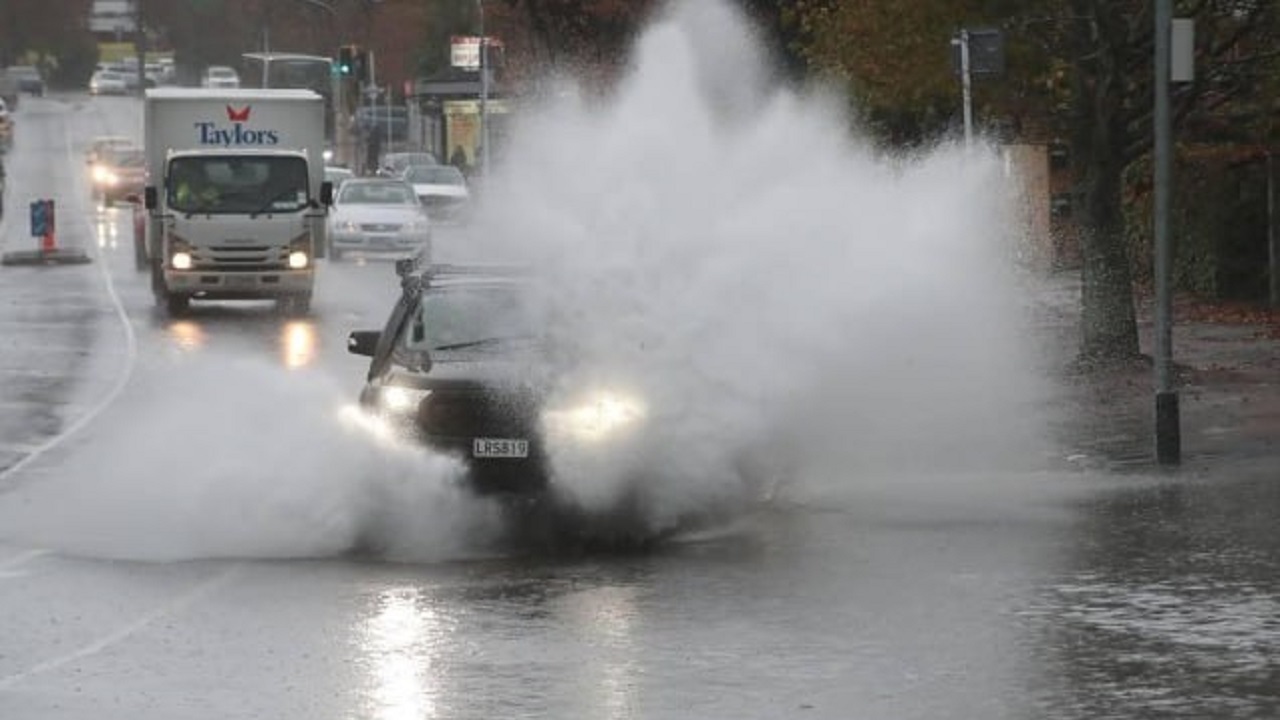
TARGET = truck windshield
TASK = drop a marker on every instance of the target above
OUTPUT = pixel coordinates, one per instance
(239, 184)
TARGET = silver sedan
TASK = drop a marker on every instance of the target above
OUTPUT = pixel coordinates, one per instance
(378, 216)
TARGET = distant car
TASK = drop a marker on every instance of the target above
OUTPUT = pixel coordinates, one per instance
(104, 144)
(378, 216)
(108, 82)
(28, 78)
(220, 77)
(442, 189)
(120, 173)
(395, 164)
(337, 175)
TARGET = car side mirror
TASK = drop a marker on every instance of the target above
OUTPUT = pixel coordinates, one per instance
(363, 342)
(150, 198)
(326, 193)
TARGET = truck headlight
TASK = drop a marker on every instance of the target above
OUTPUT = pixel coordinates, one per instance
(180, 257)
(299, 252)
(596, 417)
(181, 261)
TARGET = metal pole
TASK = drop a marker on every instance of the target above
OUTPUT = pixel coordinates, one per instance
(484, 96)
(1273, 232)
(1168, 437)
(966, 80)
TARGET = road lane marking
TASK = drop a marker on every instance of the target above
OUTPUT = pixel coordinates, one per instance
(178, 604)
(131, 345)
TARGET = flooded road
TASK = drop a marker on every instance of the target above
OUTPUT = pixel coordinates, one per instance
(179, 501)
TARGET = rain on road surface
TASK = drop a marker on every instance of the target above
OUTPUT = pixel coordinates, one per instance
(177, 502)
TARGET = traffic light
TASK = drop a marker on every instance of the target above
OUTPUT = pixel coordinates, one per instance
(347, 60)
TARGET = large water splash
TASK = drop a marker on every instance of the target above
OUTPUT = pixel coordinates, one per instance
(759, 273)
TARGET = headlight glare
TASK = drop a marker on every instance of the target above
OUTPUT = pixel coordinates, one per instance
(297, 260)
(181, 261)
(597, 416)
(400, 399)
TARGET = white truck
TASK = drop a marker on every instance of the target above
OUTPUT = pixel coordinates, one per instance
(235, 199)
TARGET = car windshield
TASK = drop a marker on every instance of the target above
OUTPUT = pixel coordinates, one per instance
(467, 317)
(435, 175)
(363, 193)
(237, 184)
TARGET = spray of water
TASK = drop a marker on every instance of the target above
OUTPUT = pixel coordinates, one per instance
(276, 463)
(724, 248)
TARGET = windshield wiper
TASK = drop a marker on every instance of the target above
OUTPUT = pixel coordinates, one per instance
(482, 341)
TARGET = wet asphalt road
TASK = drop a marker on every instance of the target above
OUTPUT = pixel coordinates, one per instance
(152, 566)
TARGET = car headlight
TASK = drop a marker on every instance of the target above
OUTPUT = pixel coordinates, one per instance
(417, 227)
(596, 417)
(400, 399)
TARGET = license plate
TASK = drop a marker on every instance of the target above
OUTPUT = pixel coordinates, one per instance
(381, 241)
(499, 448)
(241, 281)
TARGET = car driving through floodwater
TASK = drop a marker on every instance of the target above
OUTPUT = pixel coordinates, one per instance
(472, 363)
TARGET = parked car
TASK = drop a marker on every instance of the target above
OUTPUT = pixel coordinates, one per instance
(442, 190)
(6, 125)
(220, 76)
(377, 216)
(108, 82)
(9, 90)
(28, 78)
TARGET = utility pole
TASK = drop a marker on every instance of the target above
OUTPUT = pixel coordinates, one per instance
(966, 81)
(1168, 434)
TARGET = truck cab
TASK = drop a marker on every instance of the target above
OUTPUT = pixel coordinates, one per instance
(236, 201)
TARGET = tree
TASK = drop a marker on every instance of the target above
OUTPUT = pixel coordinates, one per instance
(1084, 66)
